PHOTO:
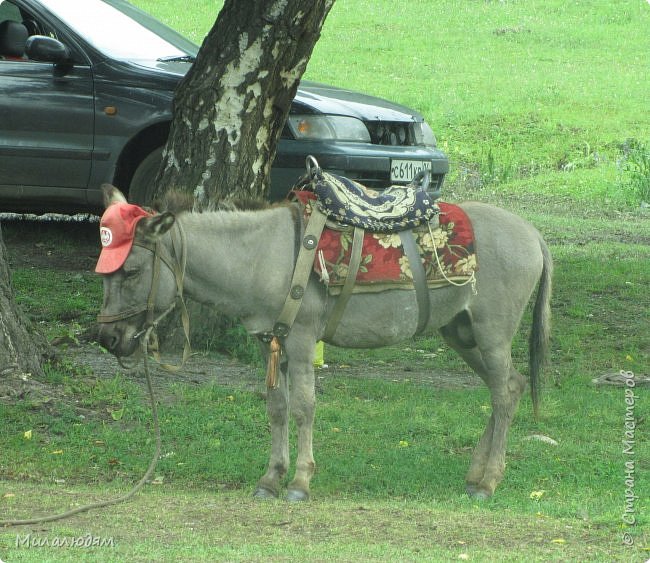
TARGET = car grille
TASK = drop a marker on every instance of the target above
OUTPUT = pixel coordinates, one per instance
(380, 181)
(389, 133)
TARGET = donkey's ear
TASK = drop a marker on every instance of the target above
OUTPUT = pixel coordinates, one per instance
(151, 228)
(112, 195)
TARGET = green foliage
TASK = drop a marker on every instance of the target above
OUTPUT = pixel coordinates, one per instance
(634, 181)
(225, 336)
(236, 342)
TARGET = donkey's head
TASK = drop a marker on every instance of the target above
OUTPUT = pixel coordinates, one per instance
(139, 274)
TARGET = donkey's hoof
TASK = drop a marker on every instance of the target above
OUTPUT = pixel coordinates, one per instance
(264, 494)
(476, 493)
(296, 495)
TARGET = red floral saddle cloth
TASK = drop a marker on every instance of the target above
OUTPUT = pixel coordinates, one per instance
(447, 251)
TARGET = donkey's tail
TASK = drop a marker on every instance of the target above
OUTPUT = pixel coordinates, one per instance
(541, 329)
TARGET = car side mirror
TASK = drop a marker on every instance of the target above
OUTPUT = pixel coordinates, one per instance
(47, 50)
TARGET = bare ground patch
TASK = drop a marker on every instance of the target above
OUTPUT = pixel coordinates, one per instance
(88, 361)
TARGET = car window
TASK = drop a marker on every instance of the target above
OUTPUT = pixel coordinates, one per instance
(113, 32)
(13, 33)
(9, 11)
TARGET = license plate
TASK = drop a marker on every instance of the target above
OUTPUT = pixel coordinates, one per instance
(405, 170)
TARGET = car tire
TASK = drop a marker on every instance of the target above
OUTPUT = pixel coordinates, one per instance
(141, 188)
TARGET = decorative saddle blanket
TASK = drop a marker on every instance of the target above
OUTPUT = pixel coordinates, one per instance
(449, 246)
(397, 208)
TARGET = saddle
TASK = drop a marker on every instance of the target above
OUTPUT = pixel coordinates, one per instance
(346, 202)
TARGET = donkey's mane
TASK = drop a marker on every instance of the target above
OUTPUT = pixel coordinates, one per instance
(177, 201)
(235, 220)
(243, 204)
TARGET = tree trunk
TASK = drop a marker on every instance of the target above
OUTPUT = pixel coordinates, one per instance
(22, 349)
(230, 109)
(229, 113)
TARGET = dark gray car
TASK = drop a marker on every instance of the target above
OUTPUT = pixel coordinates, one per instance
(85, 98)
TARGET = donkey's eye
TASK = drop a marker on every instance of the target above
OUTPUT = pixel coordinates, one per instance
(131, 272)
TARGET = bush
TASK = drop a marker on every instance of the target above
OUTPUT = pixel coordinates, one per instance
(634, 168)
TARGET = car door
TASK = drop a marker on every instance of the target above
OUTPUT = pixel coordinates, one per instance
(46, 123)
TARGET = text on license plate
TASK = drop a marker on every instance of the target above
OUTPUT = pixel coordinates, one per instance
(405, 170)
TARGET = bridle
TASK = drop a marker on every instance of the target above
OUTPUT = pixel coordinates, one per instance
(176, 261)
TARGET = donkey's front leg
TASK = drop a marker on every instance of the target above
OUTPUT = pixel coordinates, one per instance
(277, 406)
(301, 372)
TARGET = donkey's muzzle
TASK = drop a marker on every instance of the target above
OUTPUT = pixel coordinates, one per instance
(118, 338)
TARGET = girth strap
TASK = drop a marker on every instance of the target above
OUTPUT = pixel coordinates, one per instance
(419, 278)
(348, 286)
(301, 273)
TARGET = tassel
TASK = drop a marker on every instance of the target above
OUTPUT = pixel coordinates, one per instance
(273, 364)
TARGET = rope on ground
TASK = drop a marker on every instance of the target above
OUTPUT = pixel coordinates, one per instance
(139, 484)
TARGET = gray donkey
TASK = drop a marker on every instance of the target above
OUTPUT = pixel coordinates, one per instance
(241, 263)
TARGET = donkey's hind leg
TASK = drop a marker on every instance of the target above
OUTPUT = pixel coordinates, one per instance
(494, 365)
(506, 386)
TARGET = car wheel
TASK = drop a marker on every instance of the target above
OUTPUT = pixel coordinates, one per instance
(141, 186)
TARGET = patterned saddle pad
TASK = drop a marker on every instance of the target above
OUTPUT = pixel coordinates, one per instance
(345, 201)
(447, 250)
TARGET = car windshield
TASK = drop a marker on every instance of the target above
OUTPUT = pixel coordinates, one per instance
(121, 31)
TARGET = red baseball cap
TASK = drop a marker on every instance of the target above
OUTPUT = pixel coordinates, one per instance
(116, 231)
